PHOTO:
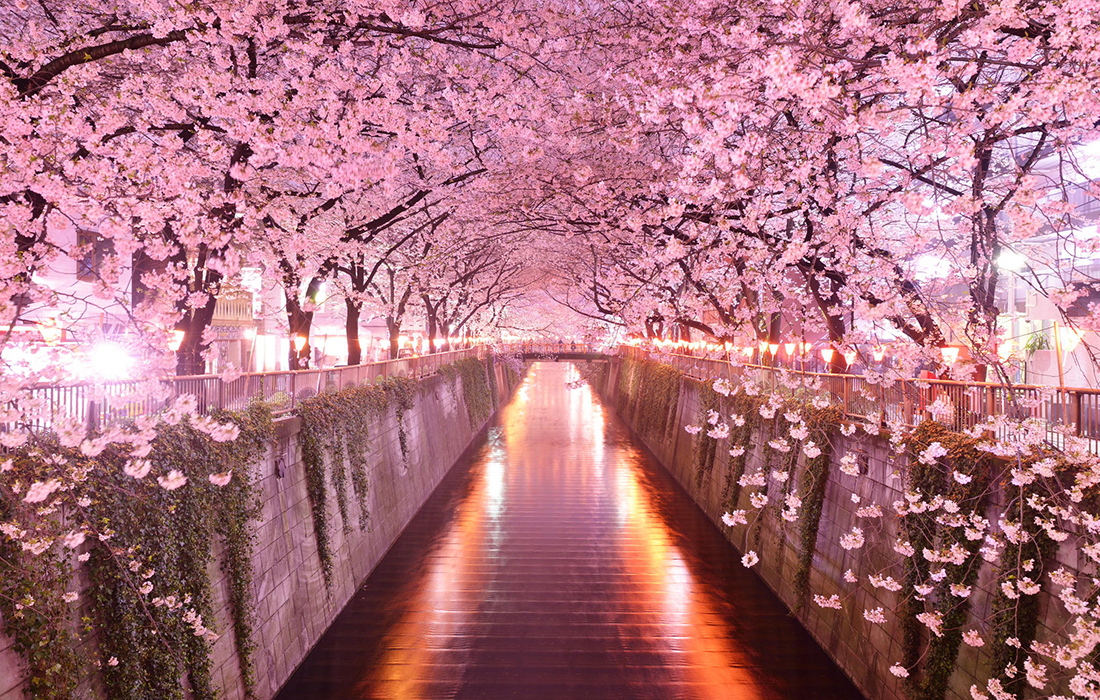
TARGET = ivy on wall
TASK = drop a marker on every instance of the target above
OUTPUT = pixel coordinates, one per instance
(706, 447)
(494, 390)
(149, 600)
(36, 616)
(477, 393)
(745, 406)
(924, 531)
(335, 430)
(1019, 618)
(946, 473)
(650, 391)
(659, 393)
(815, 477)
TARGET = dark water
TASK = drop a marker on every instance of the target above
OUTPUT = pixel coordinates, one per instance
(559, 561)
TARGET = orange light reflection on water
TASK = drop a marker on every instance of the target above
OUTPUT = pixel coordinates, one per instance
(547, 432)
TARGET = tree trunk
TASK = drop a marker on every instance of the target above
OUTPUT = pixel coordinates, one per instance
(433, 327)
(351, 326)
(189, 356)
(394, 327)
(299, 322)
(446, 329)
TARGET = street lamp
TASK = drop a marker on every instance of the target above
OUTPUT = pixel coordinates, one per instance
(176, 340)
(1011, 260)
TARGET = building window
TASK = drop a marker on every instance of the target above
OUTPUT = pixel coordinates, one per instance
(92, 248)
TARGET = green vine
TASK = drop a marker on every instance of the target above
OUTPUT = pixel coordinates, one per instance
(35, 615)
(747, 407)
(399, 393)
(334, 431)
(1019, 618)
(625, 388)
(494, 390)
(659, 392)
(149, 594)
(239, 507)
(706, 447)
(815, 477)
(477, 393)
(923, 532)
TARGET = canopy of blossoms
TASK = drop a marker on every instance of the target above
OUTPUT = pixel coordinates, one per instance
(849, 174)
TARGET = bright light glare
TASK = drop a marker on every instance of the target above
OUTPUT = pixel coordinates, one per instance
(1070, 338)
(932, 267)
(109, 361)
(1011, 260)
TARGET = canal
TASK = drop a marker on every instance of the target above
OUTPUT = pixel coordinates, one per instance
(557, 559)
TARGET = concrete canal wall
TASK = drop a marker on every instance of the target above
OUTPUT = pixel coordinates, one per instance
(293, 605)
(864, 650)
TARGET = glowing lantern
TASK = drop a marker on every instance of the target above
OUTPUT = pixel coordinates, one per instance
(299, 342)
(849, 356)
(50, 331)
(790, 348)
(773, 348)
(1004, 350)
(763, 344)
(878, 352)
(950, 355)
(827, 354)
(806, 347)
(747, 351)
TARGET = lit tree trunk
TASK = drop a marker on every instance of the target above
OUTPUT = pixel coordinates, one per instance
(299, 322)
(833, 322)
(195, 321)
(189, 357)
(393, 321)
(433, 334)
(393, 325)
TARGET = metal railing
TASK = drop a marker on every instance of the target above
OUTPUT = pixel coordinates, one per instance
(905, 401)
(233, 309)
(551, 349)
(102, 404)
(1075, 410)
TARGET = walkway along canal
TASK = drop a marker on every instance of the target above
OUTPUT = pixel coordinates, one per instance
(559, 560)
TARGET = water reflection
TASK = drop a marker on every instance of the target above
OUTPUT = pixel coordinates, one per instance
(559, 561)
